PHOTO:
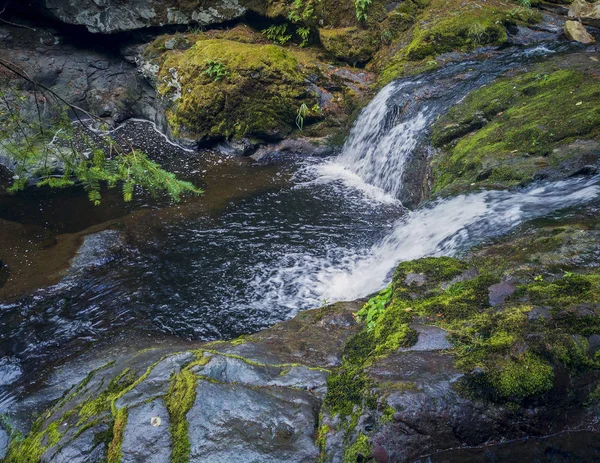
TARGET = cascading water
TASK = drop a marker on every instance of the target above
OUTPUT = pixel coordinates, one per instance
(387, 148)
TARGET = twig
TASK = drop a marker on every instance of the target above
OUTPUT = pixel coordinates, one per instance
(14, 24)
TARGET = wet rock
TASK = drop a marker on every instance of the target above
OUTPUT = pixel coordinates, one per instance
(586, 12)
(594, 343)
(430, 338)
(293, 147)
(3, 443)
(500, 292)
(97, 250)
(576, 32)
(157, 381)
(4, 273)
(263, 425)
(538, 313)
(81, 449)
(144, 441)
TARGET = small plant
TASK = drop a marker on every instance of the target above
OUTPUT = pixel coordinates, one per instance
(216, 70)
(373, 309)
(302, 111)
(386, 37)
(302, 10)
(277, 33)
(361, 9)
(568, 274)
(538, 279)
(304, 34)
(525, 3)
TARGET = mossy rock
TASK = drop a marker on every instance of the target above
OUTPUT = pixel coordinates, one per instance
(518, 129)
(256, 90)
(351, 44)
(418, 31)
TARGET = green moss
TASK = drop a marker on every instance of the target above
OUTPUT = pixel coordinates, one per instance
(351, 44)
(506, 133)
(114, 454)
(360, 451)
(30, 449)
(430, 29)
(179, 400)
(259, 98)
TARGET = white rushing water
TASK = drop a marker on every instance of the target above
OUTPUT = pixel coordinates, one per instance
(447, 226)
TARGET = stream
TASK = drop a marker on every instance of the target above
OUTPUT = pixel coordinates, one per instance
(268, 240)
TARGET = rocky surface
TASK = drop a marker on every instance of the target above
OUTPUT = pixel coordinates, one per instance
(111, 16)
(587, 12)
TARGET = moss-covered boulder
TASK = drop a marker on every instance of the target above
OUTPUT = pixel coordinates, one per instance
(418, 31)
(235, 83)
(220, 89)
(351, 44)
(544, 123)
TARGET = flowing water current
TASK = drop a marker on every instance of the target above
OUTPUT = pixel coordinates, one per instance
(320, 230)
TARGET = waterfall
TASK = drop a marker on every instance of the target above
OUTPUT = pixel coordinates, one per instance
(387, 147)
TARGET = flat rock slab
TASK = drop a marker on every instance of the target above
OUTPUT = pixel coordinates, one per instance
(264, 425)
(500, 292)
(82, 449)
(226, 369)
(144, 441)
(431, 338)
(157, 381)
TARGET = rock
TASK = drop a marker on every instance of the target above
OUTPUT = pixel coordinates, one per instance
(586, 12)
(111, 16)
(293, 147)
(144, 441)
(499, 293)
(431, 338)
(97, 250)
(417, 279)
(157, 382)
(4, 273)
(575, 32)
(227, 422)
(83, 448)
(257, 97)
(4, 440)
(353, 45)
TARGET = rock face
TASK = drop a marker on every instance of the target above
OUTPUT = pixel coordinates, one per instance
(256, 399)
(575, 31)
(111, 16)
(587, 12)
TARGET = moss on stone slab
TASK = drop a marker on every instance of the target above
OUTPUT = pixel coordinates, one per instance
(179, 400)
(509, 132)
(114, 454)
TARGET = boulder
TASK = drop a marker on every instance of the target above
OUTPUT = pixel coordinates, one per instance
(112, 16)
(586, 12)
(575, 31)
